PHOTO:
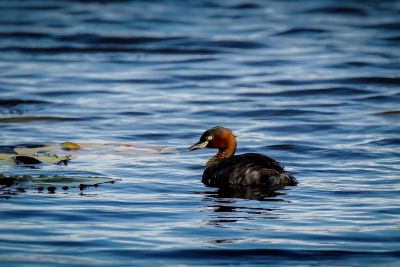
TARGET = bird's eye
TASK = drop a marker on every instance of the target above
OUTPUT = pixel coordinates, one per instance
(209, 138)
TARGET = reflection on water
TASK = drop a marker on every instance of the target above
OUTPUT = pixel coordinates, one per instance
(313, 84)
(252, 193)
(228, 207)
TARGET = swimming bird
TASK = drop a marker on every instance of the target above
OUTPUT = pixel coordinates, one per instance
(225, 169)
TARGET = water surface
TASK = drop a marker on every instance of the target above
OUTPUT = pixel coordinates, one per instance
(314, 84)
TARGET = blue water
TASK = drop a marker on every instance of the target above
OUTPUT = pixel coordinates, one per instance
(314, 84)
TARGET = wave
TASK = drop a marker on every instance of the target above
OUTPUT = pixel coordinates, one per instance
(97, 49)
(16, 102)
(266, 254)
(337, 10)
(300, 31)
(334, 91)
(27, 119)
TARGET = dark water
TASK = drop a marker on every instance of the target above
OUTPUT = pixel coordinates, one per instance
(314, 84)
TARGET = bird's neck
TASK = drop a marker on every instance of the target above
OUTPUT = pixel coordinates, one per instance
(227, 151)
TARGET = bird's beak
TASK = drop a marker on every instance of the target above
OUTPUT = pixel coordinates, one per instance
(198, 145)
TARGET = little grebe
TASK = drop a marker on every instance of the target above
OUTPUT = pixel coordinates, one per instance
(250, 169)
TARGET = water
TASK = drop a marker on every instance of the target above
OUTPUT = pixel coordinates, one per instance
(314, 84)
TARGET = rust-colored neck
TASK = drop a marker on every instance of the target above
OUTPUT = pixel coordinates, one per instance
(226, 144)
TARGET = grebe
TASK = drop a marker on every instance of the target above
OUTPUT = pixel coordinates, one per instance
(226, 169)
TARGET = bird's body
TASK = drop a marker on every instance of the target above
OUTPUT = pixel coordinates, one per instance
(251, 169)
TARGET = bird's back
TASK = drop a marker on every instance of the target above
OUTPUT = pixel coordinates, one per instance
(250, 169)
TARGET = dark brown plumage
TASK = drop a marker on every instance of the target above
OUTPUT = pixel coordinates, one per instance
(227, 169)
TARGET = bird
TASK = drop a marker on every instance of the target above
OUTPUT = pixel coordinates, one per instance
(225, 169)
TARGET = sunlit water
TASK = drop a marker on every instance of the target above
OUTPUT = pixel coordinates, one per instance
(314, 84)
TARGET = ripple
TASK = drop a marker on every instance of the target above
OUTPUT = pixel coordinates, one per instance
(229, 44)
(379, 98)
(29, 119)
(24, 35)
(134, 113)
(269, 63)
(302, 31)
(336, 91)
(115, 40)
(65, 93)
(374, 80)
(314, 84)
(16, 102)
(205, 77)
(96, 49)
(21, 106)
(391, 26)
(389, 113)
(338, 10)
(295, 148)
(281, 112)
(247, 5)
(271, 254)
(386, 142)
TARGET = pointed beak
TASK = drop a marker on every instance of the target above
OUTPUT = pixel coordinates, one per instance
(198, 145)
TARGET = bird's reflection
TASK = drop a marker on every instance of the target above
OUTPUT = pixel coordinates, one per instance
(230, 205)
(251, 193)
